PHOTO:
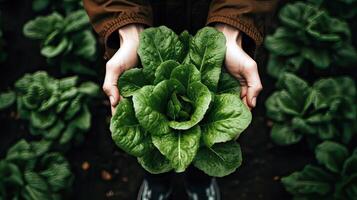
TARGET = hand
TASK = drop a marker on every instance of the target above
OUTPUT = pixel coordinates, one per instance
(240, 65)
(125, 58)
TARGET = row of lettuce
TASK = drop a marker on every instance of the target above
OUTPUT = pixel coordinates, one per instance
(56, 111)
(313, 42)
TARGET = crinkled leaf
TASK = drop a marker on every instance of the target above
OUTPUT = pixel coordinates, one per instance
(226, 119)
(76, 21)
(186, 74)
(310, 181)
(127, 133)
(85, 45)
(42, 120)
(219, 160)
(228, 84)
(42, 26)
(57, 171)
(89, 88)
(148, 115)
(156, 46)
(332, 155)
(207, 52)
(54, 50)
(281, 43)
(154, 162)
(7, 99)
(163, 72)
(282, 134)
(83, 120)
(179, 147)
(131, 81)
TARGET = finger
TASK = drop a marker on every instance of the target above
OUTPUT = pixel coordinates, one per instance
(113, 110)
(110, 84)
(244, 99)
(254, 85)
(244, 90)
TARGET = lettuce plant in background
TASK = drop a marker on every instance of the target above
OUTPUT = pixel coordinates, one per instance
(65, 41)
(335, 178)
(63, 6)
(30, 172)
(308, 36)
(327, 110)
(179, 108)
(57, 109)
(341, 8)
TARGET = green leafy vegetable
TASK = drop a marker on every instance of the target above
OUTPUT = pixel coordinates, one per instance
(335, 178)
(308, 36)
(179, 108)
(65, 41)
(341, 8)
(57, 109)
(27, 174)
(65, 6)
(326, 110)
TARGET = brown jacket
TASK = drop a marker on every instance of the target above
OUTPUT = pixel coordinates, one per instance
(107, 16)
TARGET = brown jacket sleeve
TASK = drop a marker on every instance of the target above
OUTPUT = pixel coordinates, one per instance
(107, 16)
(242, 15)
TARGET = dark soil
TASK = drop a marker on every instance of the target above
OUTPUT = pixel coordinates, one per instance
(103, 171)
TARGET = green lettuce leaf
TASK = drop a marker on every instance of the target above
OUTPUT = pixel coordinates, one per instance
(219, 160)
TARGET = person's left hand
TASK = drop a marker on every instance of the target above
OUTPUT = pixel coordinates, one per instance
(240, 65)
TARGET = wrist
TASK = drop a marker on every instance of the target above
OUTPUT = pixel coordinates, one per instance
(231, 33)
(130, 32)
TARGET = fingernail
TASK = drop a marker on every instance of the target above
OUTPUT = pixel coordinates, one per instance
(254, 101)
(111, 98)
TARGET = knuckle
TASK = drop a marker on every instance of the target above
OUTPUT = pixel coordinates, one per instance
(259, 87)
(251, 65)
(105, 88)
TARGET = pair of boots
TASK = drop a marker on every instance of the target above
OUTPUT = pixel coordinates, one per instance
(198, 186)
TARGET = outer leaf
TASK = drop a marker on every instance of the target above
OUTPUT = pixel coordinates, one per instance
(57, 171)
(127, 133)
(131, 81)
(310, 181)
(226, 119)
(89, 88)
(228, 84)
(281, 43)
(207, 53)
(76, 21)
(156, 46)
(154, 162)
(219, 160)
(42, 26)
(332, 155)
(83, 120)
(7, 99)
(54, 50)
(282, 134)
(179, 147)
(273, 110)
(350, 166)
(85, 45)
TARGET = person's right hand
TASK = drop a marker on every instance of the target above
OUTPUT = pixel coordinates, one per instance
(125, 58)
